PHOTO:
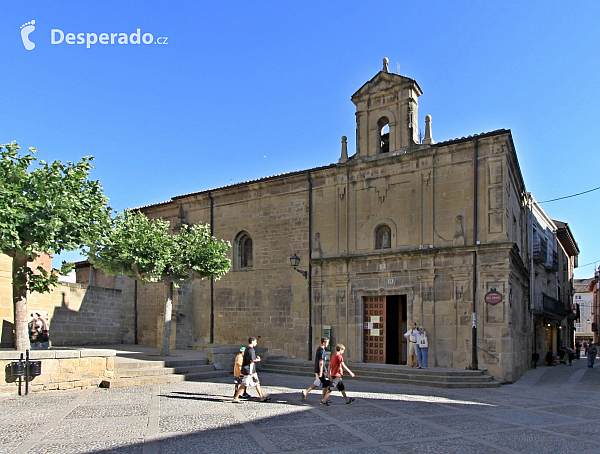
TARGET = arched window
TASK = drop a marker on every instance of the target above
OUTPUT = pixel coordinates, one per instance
(383, 128)
(383, 237)
(243, 251)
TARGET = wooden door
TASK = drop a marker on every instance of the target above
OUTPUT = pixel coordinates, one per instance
(374, 329)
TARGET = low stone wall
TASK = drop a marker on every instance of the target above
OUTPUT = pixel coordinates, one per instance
(223, 357)
(61, 369)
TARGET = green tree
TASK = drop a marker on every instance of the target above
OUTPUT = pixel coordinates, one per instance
(44, 208)
(143, 249)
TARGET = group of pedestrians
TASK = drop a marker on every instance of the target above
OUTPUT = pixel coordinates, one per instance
(328, 378)
(245, 376)
(248, 373)
(418, 347)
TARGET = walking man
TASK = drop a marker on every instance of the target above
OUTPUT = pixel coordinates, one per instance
(336, 370)
(592, 350)
(319, 370)
(250, 377)
(411, 336)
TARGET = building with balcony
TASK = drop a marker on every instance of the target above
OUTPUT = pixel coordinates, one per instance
(554, 255)
(584, 300)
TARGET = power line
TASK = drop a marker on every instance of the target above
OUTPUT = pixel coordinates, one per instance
(568, 196)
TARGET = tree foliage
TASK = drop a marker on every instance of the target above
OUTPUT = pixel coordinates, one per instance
(46, 208)
(143, 249)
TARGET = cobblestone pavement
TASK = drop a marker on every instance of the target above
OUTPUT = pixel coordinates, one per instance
(550, 410)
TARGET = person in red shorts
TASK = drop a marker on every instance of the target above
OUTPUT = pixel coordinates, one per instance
(336, 370)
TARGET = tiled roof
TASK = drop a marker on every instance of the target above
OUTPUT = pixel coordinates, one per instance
(582, 285)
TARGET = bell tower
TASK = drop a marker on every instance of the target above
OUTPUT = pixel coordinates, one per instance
(386, 114)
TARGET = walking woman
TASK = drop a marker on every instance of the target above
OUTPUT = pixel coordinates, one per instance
(422, 348)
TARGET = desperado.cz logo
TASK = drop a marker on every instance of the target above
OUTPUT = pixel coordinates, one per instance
(58, 36)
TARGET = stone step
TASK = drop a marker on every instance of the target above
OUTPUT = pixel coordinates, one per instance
(425, 376)
(301, 365)
(161, 379)
(182, 370)
(126, 363)
(393, 374)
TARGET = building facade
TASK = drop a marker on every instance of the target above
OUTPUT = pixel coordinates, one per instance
(553, 259)
(584, 300)
(399, 231)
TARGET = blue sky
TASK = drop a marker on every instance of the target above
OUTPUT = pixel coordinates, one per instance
(245, 90)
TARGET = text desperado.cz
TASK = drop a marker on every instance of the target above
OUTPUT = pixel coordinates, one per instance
(57, 36)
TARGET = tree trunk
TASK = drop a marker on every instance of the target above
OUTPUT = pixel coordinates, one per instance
(166, 340)
(21, 339)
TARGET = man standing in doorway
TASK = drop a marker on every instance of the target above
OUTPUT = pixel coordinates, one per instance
(411, 336)
(319, 370)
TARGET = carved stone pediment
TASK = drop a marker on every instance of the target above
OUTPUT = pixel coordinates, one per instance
(385, 82)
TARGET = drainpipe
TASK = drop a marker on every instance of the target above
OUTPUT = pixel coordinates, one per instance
(135, 313)
(474, 360)
(531, 271)
(310, 325)
(91, 284)
(212, 281)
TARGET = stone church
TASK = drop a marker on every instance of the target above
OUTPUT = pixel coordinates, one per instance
(401, 230)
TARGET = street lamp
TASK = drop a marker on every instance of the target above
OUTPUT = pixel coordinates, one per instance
(295, 261)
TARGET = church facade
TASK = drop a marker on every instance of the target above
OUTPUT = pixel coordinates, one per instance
(402, 230)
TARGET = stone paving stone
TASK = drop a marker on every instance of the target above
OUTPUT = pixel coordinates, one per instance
(176, 406)
(11, 433)
(537, 442)
(468, 423)
(101, 396)
(358, 411)
(361, 450)
(211, 443)
(513, 401)
(42, 399)
(105, 447)
(324, 436)
(408, 407)
(185, 424)
(269, 414)
(527, 417)
(448, 446)
(108, 411)
(6, 449)
(583, 431)
(99, 429)
(393, 429)
(297, 418)
(574, 411)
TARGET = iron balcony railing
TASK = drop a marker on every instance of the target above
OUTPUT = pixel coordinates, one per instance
(549, 305)
(552, 265)
(540, 249)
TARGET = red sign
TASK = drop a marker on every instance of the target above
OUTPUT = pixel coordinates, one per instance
(493, 297)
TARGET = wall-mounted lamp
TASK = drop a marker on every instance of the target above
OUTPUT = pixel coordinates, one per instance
(295, 261)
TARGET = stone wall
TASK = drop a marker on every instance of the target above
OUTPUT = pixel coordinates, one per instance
(78, 315)
(61, 369)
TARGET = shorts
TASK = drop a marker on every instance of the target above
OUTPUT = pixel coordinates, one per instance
(321, 381)
(238, 380)
(336, 383)
(250, 381)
